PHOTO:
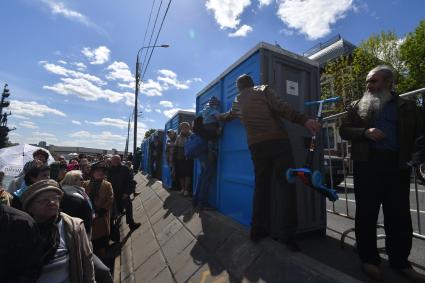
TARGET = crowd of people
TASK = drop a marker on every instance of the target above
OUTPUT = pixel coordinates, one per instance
(58, 221)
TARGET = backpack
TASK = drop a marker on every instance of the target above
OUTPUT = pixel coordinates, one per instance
(195, 146)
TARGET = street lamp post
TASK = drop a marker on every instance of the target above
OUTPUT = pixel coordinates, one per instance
(136, 93)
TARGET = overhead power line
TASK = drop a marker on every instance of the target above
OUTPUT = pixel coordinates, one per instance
(156, 39)
(152, 33)
(149, 21)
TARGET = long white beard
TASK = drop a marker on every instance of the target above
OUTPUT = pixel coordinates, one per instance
(373, 102)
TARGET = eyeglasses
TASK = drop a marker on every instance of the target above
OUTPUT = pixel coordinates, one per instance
(46, 201)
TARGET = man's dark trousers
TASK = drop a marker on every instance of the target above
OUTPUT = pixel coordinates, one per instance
(127, 205)
(381, 181)
(273, 158)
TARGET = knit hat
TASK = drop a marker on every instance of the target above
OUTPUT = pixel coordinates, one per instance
(37, 188)
(214, 102)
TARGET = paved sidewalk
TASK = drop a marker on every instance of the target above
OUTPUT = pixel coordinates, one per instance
(174, 244)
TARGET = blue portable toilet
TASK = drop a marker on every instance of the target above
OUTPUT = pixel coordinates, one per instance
(145, 162)
(142, 150)
(296, 79)
(173, 124)
(146, 144)
(161, 136)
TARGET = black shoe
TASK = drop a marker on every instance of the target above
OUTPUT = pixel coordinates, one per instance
(256, 237)
(133, 226)
(292, 245)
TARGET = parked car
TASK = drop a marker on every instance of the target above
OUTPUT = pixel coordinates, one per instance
(338, 167)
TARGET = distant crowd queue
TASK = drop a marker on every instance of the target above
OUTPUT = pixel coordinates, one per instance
(58, 222)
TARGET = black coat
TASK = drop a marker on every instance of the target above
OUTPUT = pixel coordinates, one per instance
(20, 248)
(76, 205)
(121, 179)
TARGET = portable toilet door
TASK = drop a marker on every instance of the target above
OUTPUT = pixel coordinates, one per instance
(201, 101)
(236, 172)
(158, 165)
(147, 156)
(166, 172)
(142, 150)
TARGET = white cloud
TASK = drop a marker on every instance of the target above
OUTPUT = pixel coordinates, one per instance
(198, 80)
(88, 91)
(227, 12)
(28, 125)
(166, 104)
(20, 117)
(105, 138)
(59, 8)
(80, 134)
(120, 71)
(241, 32)
(151, 88)
(118, 123)
(97, 56)
(62, 62)
(111, 122)
(263, 3)
(287, 32)
(170, 113)
(80, 66)
(169, 78)
(42, 136)
(312, 17)
(76, 122)
(62, 71)
(158, 111)
(33, 109)
(165, 80)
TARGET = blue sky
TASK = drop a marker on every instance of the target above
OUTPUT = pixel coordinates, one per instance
(70, 64)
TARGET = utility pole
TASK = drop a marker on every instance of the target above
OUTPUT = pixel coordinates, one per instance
(136, 93)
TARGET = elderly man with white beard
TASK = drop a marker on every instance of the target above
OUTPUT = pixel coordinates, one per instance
(382, 127)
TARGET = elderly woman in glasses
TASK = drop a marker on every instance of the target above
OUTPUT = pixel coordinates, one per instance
(67, 254)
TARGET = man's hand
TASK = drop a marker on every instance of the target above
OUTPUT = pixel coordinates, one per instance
(374, 134)
(313, 126)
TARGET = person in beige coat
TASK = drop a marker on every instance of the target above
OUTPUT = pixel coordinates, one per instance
(67, 255)
(102, 197)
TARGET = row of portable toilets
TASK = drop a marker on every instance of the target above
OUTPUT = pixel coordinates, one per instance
(296, 79)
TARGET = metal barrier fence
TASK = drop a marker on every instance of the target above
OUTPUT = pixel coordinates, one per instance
(341, 148)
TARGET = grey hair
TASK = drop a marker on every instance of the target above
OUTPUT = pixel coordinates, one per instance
(72, 178)
(386, 71)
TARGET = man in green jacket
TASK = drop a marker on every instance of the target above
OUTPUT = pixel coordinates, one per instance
(259, 109)
(382, 128)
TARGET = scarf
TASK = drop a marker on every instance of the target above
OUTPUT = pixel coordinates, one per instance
(49, 238)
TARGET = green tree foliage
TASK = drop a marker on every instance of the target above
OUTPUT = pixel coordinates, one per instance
(412, 53)
(149, 133)
(346, 76)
